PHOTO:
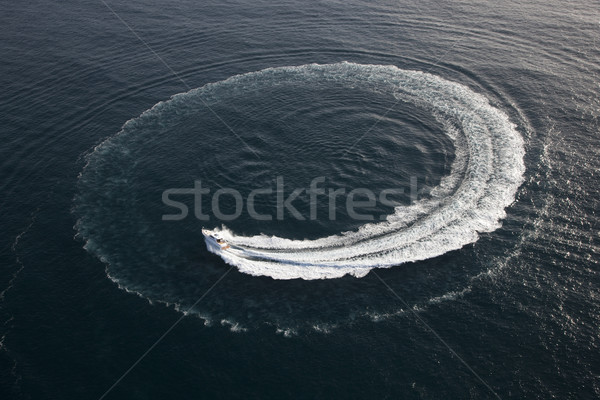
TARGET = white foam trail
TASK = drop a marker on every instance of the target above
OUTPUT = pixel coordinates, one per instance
(483, 181)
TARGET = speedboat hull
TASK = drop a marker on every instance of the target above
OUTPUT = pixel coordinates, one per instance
(214, 242)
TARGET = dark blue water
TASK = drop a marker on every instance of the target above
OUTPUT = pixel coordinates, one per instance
(485, 304)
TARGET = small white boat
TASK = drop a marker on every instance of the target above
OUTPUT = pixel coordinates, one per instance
(214, 240)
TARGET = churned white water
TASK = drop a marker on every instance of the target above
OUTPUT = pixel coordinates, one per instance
(486, 173)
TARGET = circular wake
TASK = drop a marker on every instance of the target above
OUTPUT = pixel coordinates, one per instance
(124, 175)
(485, 176)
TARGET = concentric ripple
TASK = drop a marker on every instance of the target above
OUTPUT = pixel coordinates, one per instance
(484, 176)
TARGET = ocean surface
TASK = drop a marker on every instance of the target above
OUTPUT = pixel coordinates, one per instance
(468, 134)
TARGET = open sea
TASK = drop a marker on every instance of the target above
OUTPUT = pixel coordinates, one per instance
(408, 192)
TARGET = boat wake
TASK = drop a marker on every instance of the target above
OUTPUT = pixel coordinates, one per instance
(485, 175)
